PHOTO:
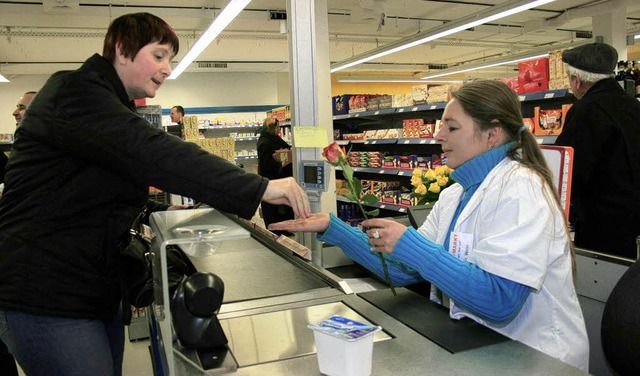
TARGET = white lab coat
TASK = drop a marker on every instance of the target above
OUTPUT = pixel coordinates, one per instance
(513, 234)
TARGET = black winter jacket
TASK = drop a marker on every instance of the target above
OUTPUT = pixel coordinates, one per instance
(77, 177)
(603, 127)
(268, 167)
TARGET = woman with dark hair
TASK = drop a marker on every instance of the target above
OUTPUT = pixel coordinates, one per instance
(271, 167)
(78, 175)
(496, 243)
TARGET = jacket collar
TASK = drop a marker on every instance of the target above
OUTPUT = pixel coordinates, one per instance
(603, 86)
(97, 63)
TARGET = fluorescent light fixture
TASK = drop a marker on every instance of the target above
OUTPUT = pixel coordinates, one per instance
(387, 79)
(230, 11)
(486, 66)
(507, 59)
(3, 79)
(490, 14)
(637, 36)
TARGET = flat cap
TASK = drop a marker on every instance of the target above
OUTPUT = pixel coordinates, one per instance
(592, 57)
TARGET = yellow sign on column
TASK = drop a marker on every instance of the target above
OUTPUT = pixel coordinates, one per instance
(310, 137)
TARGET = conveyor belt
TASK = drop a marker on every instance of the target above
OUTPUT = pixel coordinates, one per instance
(433, 321)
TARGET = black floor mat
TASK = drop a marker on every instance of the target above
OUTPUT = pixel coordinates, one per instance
(433, 321)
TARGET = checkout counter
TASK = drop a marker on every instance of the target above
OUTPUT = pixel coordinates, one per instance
(271, 294)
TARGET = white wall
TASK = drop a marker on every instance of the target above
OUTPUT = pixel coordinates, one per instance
(189, 90)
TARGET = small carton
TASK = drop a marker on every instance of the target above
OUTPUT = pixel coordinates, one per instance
(345, 346)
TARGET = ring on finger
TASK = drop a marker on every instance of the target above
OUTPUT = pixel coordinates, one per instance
(376, 234)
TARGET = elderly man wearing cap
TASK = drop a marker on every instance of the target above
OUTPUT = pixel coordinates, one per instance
(603, 127)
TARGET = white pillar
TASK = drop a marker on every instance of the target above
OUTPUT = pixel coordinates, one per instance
(612, 27)
(310, 91)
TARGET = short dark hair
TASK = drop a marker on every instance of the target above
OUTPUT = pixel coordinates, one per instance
(179, 109)
(136, 30)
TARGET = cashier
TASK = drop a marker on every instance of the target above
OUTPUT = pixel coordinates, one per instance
(603, 127)
(78, 175)
(496, 242)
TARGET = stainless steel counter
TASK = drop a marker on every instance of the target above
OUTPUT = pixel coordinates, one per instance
(271, 295)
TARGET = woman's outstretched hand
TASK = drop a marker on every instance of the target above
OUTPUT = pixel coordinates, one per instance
(286, 191)
(318, 222)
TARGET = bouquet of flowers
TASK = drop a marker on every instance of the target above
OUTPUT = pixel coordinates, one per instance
(428, 184)
(336, 157)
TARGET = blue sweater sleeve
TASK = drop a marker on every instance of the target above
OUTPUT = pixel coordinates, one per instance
(356, 246)
(486, 295)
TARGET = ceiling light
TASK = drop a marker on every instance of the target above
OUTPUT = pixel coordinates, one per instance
(230, 11)
(388, 79)
(490, 14)
(3, 79)
(507, 59)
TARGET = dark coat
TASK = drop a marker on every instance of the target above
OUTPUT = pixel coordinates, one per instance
(78, 175)
(603, 127)
(268, 167)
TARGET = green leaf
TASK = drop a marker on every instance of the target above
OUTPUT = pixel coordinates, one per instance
(369, 199)
(373, 213)
(350, 196)
(357, 186)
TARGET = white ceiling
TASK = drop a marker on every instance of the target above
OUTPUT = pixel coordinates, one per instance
(41, 38)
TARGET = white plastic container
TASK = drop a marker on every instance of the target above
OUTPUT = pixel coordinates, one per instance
(345, 346)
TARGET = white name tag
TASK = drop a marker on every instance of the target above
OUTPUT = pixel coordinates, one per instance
(460, 244)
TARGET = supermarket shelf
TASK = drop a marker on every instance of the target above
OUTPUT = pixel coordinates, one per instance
(381, 171)
(252, 125)
(254, 138)
(378, 205)
(246, 157)
(441, 105)
(542, 95)
(416, 141)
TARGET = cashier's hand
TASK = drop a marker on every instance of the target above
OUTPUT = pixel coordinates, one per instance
(316, 223)
(286, 191)
(383, 234)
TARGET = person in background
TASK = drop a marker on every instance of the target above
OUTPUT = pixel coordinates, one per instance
(272, 166)
(176, 115)
(22, 105)
(7, 362)
(496, 242)
(18, 113)
(603, 127)
(79, 174)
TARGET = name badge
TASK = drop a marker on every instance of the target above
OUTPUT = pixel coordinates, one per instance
(460, 244)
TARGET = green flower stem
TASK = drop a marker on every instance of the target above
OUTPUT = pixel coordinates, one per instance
(384, 262)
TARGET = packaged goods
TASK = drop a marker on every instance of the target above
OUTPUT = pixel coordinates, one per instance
(533, 75)
(547, 122)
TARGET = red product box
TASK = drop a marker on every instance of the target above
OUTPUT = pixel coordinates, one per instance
(533, 75)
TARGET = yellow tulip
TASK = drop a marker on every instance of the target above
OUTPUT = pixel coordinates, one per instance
(434, 187)
(443, 180)
(430, 175)
(421, 189)
(417, 172)
(416, 180)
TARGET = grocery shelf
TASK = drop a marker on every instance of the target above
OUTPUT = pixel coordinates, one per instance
(382, 171)
(253, 138)
(246, 156)
(378, 205)
(227, 126)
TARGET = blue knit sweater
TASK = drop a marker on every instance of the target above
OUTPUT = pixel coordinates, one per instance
(488, 296)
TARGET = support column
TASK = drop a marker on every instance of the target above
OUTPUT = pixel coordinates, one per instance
(612, 27)
(310, 93)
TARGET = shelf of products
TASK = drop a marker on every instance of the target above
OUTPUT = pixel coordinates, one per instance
(364, 145)
(378, 205)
